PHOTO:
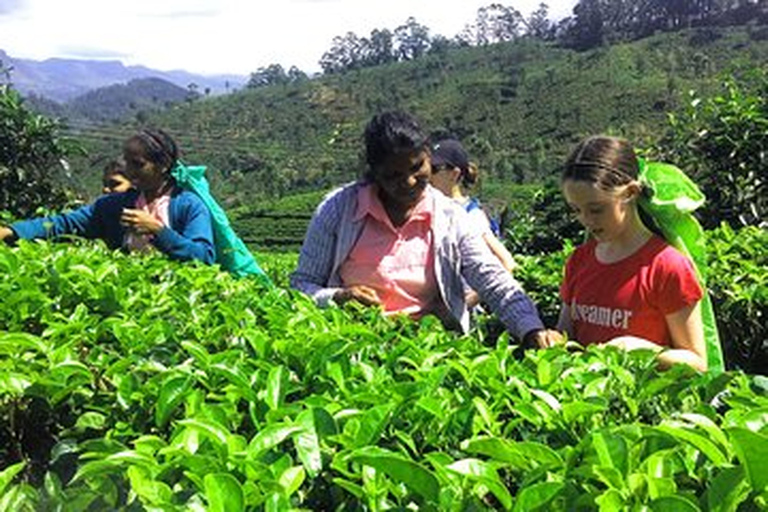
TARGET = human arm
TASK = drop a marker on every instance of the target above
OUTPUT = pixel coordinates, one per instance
(485, 274)
(365, 295)
(313, 273)
(687, 333)
(191, 238)
(76, 222)
(500, 251)
(677, 295)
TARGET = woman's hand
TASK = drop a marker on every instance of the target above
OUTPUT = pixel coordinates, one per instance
(6, 234)
(363, 294)
(140, 222)
(544, 338)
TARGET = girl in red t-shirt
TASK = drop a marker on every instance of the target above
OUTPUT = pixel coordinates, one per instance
(626, 286)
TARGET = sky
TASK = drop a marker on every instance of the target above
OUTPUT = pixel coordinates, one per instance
(220, 36)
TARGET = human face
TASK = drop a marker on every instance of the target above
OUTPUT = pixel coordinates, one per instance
(444, 179)
(606, 216)
(115, 183)
(402, 178)
(143, 173)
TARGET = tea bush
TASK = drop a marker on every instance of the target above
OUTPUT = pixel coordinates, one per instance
(132, 383)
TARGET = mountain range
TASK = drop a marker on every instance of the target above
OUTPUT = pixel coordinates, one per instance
(62, 80)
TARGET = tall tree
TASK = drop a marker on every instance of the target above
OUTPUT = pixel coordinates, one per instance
(497, 23)
(33, 168)
(347, 52)
(274, 74)
(538, 24)
(412, 40)
(380, 48)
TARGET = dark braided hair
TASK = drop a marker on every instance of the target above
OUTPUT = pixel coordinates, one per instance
(158, 146)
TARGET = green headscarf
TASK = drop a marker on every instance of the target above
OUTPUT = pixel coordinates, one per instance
(231, 252)
(673, 198)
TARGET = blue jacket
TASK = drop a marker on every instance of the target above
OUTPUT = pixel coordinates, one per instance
(189, 237)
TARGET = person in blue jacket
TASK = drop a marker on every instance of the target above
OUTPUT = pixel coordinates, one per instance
(156, 213)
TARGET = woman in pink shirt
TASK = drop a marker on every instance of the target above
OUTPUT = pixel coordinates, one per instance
(391, 240)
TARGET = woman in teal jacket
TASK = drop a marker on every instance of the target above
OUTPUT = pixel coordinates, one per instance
(157, 213)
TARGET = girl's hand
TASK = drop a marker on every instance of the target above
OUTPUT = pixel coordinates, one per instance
(363, 294)
(634, 343)
(140, 222)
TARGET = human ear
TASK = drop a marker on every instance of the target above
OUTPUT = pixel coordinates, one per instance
(631, 192)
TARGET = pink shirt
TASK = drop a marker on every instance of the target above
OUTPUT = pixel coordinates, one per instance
(159, 210)
(396, 262)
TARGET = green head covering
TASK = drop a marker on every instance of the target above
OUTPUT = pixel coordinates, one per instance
(672, 199)
(231, 252)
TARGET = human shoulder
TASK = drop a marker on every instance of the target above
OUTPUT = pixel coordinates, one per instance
(344, 192)
(667, 258)
(445, 204)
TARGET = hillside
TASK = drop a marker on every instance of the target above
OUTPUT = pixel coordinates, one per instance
(64, 79)
(114, 103)
(517, 106)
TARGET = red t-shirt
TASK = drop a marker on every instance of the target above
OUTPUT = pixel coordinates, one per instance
(628, 297)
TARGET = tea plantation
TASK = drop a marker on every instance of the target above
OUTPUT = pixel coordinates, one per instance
(135, 383)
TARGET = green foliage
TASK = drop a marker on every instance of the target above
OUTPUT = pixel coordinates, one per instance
(132, 382)
(722, 139)
(32, 172)
(540, 222)
(740, 297)
(518, 107)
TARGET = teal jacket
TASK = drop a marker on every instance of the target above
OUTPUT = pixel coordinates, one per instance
(189, 237)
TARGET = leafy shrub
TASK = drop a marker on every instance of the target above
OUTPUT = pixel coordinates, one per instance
(721, 141)
(738, 282)
(540, 223)
(32, 171)
(132, 382)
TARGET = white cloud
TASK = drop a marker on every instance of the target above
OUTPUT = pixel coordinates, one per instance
(224, 36)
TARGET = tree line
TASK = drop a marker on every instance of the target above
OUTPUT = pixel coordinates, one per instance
(593, 23)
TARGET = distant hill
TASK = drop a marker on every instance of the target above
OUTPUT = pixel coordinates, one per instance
(64, 79)
(117, 102)
(518, 107)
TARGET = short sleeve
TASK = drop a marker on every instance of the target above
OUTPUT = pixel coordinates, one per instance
(675, 282)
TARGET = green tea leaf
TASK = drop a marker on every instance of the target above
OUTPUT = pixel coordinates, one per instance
(94, 420)
(537, 496)
(223, 493)
(291, 479)
(698, 441)
(752, 452)
(269, 437)
(398, 467)
(485, 474)
(172, 393)
(673, 504)
(372, 424)
(307, 444)
(276, 382)
(727, 490)
(8, 474)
